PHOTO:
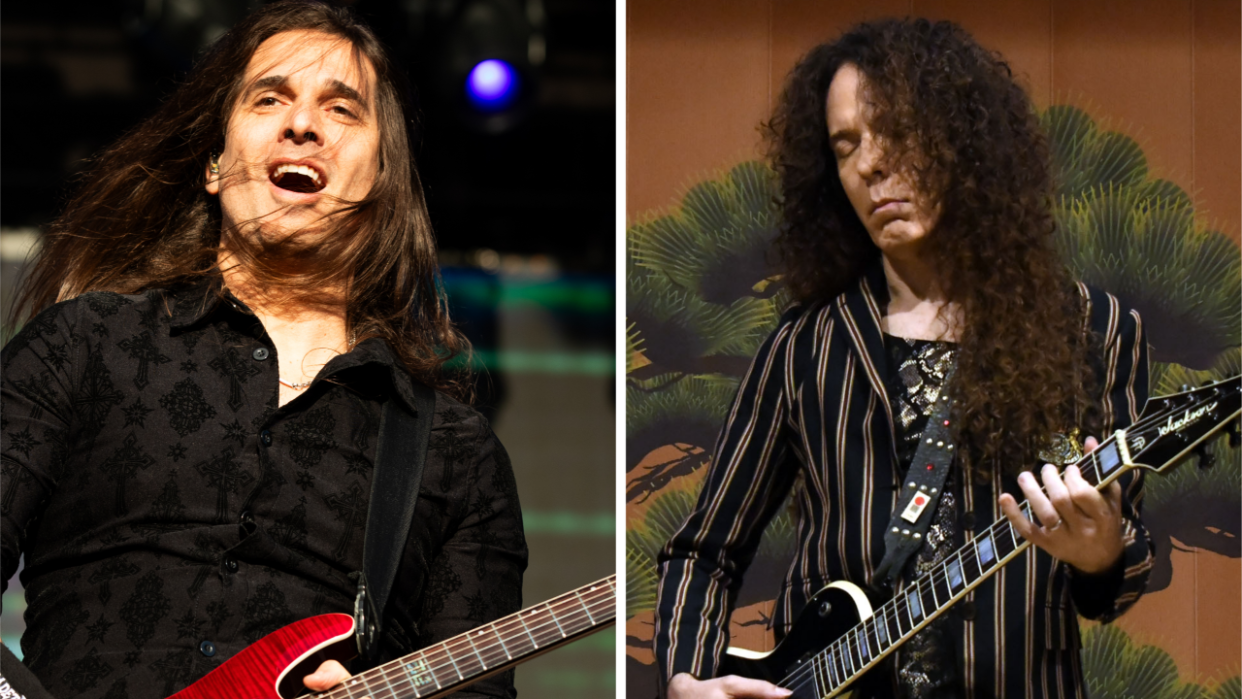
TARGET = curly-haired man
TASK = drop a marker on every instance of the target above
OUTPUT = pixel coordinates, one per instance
(917, 240)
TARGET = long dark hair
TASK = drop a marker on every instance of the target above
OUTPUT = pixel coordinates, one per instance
(953, 110)
(142, 219)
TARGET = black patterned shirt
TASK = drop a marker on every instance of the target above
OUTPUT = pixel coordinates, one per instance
(917, 372)
(171, 512)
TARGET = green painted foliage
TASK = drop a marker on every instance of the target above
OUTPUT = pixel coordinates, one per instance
(671, 409)
(1139, 239)
(700, 304)
(1116, 667)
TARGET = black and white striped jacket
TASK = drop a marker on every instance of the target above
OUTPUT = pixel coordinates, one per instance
(814, 403)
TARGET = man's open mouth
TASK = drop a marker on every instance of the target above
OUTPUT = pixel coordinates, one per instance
(297, 178)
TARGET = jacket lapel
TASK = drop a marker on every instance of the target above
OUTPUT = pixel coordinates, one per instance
(860, 313)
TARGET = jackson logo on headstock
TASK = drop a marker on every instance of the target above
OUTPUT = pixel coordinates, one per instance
(1189, 418)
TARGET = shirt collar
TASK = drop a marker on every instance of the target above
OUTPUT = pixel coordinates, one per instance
(194, 301)
(376, 351)
(191, 303)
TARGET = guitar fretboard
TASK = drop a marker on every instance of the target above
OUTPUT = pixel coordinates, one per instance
(1178, 424)
(929, 595)
(488, 648)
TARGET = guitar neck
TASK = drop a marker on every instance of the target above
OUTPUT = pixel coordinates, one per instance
(486, 650)
(1170, 428)
(932, 593)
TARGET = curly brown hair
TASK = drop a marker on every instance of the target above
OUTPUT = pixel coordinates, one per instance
(142, 219)
(953, 114)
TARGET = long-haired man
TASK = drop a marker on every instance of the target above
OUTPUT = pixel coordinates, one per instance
(917, 240)
(191, 416)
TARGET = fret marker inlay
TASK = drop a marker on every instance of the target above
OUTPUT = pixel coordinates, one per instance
(418, 672)
(955, 574)
(1107, 457)
(985, 551)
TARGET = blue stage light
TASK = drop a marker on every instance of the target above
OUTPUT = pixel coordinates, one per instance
(492, 84)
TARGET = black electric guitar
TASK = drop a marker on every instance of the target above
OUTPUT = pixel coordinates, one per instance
(839, 637)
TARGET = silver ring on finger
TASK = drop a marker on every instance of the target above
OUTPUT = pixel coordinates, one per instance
(1056, 526)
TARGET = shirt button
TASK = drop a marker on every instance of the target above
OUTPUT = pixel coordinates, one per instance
(207, 648)
(246, 517)
(260, 354)
(266, 437)
(230, 565)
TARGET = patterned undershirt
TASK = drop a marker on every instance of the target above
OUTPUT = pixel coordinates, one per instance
(917, 370)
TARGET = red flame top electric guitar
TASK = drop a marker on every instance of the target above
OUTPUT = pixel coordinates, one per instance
(273, 667)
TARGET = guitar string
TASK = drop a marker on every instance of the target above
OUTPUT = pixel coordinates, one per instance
(446, 646)
(446, 650)
(856, 640)
(839, 650)
(407, 680)
(366, 682)
(837, 660)
(852, 641)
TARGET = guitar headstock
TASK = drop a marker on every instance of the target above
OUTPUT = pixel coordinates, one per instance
(1176, 424)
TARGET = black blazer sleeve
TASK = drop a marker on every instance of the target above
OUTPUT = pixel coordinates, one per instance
(701, 568)
(1123, 376)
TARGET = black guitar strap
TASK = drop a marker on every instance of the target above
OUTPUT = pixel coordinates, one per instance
(919, 493)
(16, 680)
(399, 459)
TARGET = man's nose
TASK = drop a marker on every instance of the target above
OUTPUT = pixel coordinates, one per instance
(303, 125)
(870, 158)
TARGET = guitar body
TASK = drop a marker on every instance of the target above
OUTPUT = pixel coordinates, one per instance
(273, 666)
(833, 611)
(839, 640)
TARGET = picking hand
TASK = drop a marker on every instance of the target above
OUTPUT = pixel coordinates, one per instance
(1077, 523)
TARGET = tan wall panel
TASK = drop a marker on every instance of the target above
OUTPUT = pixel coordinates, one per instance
(1021, 30)
(1218, 607)
(1218, 114)
(1167, 618)
(800, 25)
(1128, 61)
(696, 74)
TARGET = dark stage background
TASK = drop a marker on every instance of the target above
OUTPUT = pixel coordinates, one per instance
(522, 200)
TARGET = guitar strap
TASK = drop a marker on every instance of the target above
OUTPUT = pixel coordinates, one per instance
(920, 493)
(16, 680)
(399, 460)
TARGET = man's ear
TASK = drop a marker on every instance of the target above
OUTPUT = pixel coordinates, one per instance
(213, 174)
